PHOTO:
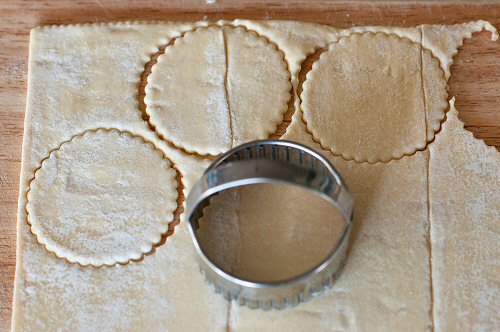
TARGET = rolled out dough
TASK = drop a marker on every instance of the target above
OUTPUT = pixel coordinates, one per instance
(385, 284)
(404, 245)
(269, 232)
(105, 197)
(227, 85)
(365, 99)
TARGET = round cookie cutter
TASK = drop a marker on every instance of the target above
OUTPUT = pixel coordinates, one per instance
(272, 161)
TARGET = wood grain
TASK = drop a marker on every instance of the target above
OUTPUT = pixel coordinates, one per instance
(475, 75)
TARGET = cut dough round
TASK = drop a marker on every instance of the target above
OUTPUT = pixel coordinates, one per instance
(216, 88)
(268, 235)
(103, 198)
(374, 97)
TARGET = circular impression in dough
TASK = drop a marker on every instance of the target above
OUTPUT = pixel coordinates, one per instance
(105, 197)
(216, 88)
(374, 97)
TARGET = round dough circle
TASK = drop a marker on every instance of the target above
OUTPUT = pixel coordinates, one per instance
(216, 88)
(105, 197)
(374, 97)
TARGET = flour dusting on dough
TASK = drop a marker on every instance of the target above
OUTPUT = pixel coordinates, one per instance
(464, 229)
(84, 77)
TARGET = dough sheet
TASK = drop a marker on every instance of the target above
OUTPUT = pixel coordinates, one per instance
(424, 248)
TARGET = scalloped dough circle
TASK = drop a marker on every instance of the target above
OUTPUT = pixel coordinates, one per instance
(216, 88)
(103, 198)
(374, 97)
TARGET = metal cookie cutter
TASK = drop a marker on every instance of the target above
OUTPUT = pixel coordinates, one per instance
(272, 161)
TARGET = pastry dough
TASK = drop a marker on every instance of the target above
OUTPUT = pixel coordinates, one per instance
(465, 229)
(84, 77)
(103, 198)
(216, 88)
(151, 294)
(271, 232)
(383, 287)
(446, 48)
(365, 98)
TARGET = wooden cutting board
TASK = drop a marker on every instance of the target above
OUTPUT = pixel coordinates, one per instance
(475, 75)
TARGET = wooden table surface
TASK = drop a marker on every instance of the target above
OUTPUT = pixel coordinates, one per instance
(475, 76)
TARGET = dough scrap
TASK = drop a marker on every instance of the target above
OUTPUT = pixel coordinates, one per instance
(103, 198)
(465, 229)
(365, 99)
(446, 48)
(299, 39)
(216, 88)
